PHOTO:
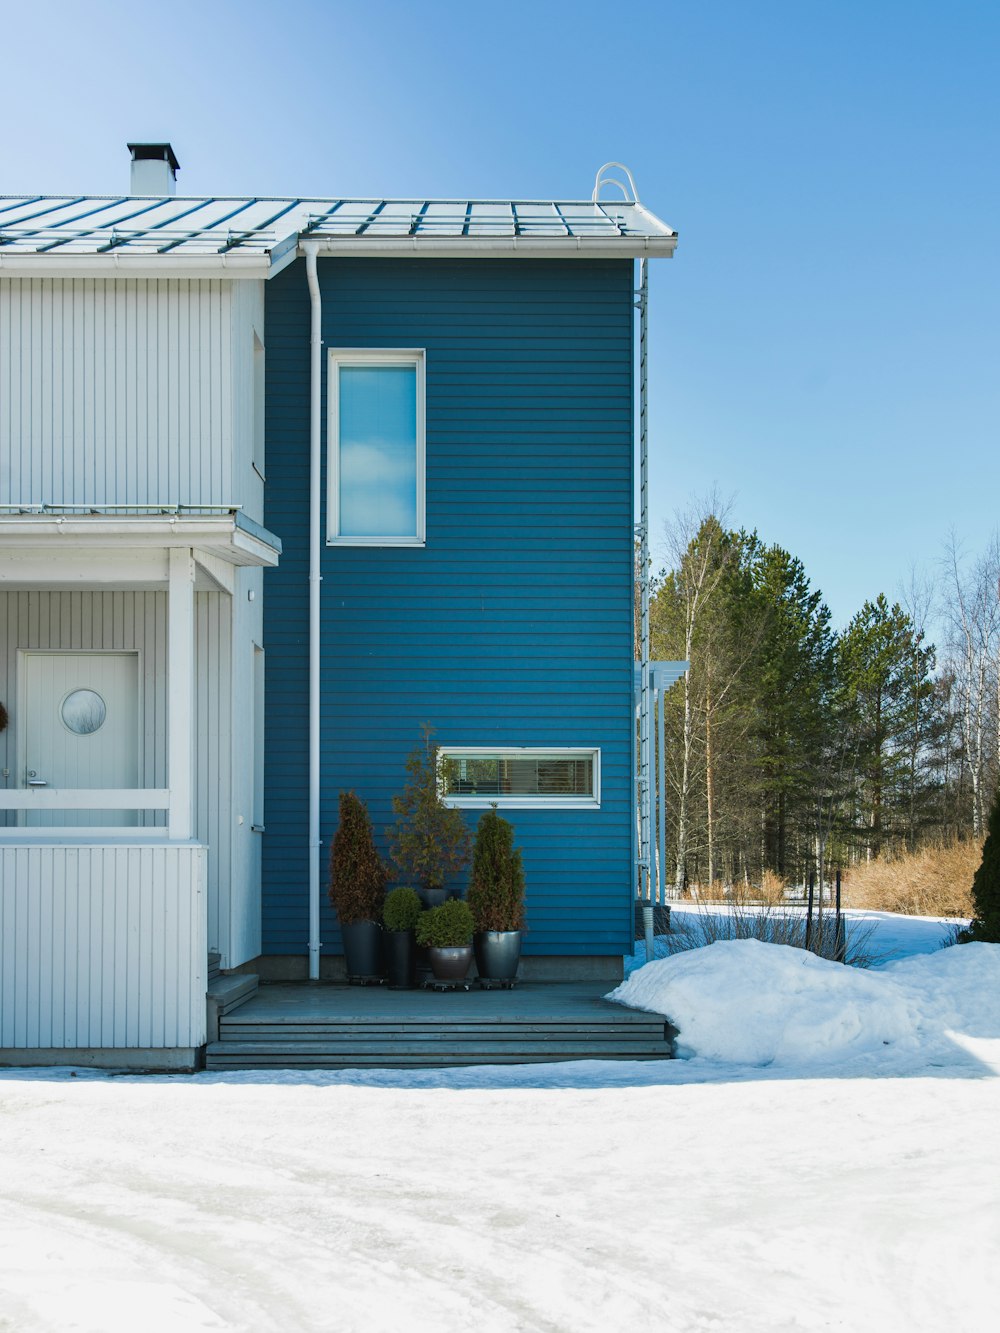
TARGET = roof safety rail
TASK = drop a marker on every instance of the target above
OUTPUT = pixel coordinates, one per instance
(602, 179)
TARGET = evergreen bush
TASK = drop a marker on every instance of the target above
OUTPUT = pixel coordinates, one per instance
(429, 840)
(357, 875)
(446, 927)
(985, 925)
(402, 909)
(496, 889)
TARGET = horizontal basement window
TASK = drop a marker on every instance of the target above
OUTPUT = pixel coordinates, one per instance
(521, 778)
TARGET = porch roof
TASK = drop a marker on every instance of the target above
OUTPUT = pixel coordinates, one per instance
(78, 546)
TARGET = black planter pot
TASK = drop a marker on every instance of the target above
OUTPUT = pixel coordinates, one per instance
(450, 964)
(401, 959)
(498, 953)
(363, 950)
(433, 897)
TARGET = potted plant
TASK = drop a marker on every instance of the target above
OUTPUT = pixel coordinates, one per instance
(357, 890)
(400, 915)
(429, 840)
(446, 932)
(496, 897)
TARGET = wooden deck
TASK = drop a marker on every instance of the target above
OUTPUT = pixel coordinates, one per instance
(315, 1026)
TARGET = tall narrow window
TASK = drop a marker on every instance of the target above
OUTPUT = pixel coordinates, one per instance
(376, 459)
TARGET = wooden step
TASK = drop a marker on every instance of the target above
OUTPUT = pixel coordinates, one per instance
(220, 1055)
(331, 1027)
(367, 1045)
(225, 994)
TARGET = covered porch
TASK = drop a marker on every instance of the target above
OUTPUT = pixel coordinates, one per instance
(116, 629)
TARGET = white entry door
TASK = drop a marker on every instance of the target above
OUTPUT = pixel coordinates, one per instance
(80, 728)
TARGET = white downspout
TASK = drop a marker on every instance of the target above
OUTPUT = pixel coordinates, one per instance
(311, 249)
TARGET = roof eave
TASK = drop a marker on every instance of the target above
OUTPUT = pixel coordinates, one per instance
(134, 266)
(457, 247)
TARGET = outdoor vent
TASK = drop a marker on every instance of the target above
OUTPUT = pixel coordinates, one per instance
(154, 169)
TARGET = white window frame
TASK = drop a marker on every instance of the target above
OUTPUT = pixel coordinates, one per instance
(591, 752)
(376, 356)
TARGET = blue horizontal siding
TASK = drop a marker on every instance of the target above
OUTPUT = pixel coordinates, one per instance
(513, 625)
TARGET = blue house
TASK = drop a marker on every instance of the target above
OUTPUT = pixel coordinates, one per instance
(419, 418)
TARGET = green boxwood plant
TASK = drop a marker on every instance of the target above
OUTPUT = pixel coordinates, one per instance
(446, 927)
(402, 909)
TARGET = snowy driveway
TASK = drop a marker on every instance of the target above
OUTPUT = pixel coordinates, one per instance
(236, 1202)
(851, 1180)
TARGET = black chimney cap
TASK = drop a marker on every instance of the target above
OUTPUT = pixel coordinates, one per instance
(154, 152)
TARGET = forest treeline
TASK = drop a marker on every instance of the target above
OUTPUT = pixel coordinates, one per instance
(791, 747)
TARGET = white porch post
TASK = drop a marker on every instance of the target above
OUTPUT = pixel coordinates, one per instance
(180, 694)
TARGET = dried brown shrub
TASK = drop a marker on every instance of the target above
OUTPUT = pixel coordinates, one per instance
(769, 891)
(934, 881)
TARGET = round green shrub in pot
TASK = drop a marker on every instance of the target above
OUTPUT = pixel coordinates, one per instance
(496, 897)
(400, 915)
(357, 889)
(446, 932)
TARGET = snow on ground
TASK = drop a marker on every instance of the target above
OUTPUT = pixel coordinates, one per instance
(742, 1001)
(858, 1191)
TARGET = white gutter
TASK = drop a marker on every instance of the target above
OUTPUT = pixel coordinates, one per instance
(311, 249)
(116, 265)
(527, 247)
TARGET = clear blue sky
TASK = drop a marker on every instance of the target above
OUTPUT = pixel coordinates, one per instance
(825, 343)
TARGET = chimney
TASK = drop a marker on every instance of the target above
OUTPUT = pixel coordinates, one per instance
(154, 169)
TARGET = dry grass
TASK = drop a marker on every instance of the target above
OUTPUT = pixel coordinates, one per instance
(772, 925)
(935, 881)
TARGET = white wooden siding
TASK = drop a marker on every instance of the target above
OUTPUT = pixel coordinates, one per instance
(120, 391)
(102, 946)
(247, 315)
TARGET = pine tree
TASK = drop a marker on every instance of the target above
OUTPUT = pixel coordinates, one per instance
(884, 670)
(794, 681)
(986, 884)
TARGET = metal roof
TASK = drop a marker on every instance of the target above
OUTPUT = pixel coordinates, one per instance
(258, 236)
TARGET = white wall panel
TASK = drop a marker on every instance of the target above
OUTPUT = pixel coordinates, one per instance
(214, 816)
(102, 946)
(120, 391)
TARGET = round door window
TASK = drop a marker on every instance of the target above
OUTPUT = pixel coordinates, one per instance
(83, 712)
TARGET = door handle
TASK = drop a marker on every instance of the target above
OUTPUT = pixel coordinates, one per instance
(34, 780)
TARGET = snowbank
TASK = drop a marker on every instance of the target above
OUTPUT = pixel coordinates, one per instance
(746, 1002)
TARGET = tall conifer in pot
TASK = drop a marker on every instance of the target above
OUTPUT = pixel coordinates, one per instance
(357, 889)
(496, 896)
(429, 841)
